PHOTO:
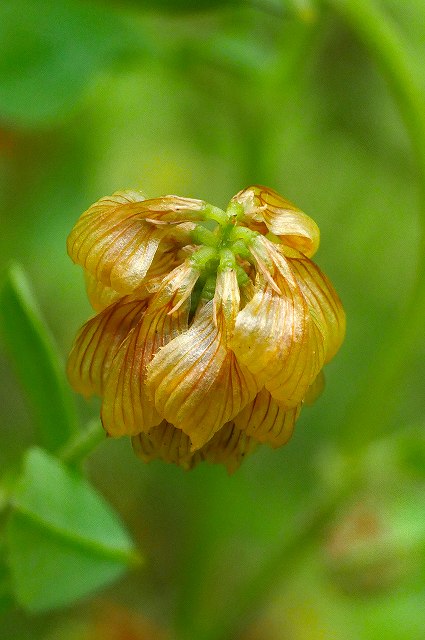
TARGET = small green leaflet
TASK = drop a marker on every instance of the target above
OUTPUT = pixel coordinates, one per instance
(63, 540)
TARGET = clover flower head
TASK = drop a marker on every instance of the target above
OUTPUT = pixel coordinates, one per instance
(212, 326)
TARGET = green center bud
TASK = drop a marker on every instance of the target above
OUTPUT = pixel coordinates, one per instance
(221, 239)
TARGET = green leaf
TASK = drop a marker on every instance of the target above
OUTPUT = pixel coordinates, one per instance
(49, 53)
(63, 540)
(36, 361)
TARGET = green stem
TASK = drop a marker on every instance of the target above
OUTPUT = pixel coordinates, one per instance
(282, 561)
(82, 444)
(377, 399)
(371, 413)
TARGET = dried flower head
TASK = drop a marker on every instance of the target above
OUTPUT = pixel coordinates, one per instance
(212, 326)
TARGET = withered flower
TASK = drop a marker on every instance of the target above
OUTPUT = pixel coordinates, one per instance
(212, 326)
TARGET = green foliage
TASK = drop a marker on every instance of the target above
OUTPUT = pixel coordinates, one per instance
(50, 52)
(63, 540)
(36, 361)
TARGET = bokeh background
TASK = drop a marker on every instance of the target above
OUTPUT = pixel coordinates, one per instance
(201, 99)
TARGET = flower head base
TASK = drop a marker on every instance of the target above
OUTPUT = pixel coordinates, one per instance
(212, 326)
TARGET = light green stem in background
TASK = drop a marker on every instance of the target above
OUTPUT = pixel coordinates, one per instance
(82, 444)
(372, 411)
(375, 404)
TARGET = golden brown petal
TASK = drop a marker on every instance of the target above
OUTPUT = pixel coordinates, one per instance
(271, 263)
(126, 408)
(280, 341)
(322, 297)
(113, 241)
(97, 343)
(173, 209)
(196, 383)
(101, 296)
(281, 217)
(302, 361)
(98, 294)
(226, 302)
(229, 446)
(266, 421)
(165, 442)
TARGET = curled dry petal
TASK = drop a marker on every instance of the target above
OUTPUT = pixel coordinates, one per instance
(266, 421)
(226, 302)
(100, 296)
(229, 446)
(97, 343)
(280, 341)
(322, 297)
(167, 443)
(126, 407)
(271, 263)
(114, 243)
(281, 217)
(196, 383)
(173, 209)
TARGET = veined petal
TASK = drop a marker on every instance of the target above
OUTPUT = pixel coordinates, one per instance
(173, 209)
(113, 241)
(228, 446)
(279, 340)
(266, 421)
(97, 343)
(99, 295)
(322, 297)
(247, 292)
(271, 263)
(259, 326)
(226, 302)
(196, 383)
(305, 358)
(126, 407)
(281, 217)
(167, 443)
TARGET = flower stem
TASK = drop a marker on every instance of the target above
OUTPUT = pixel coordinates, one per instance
(241, 609)
(82, 444)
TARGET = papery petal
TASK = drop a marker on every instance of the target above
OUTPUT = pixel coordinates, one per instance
(289, 383)
(99, 295)
(228, 446)
(281, 217)
(97, 343)
(266, 421)
(280, 341)
(165, 442)
(196, 383)
(246, 292)
(113, 241)
(226, 301)
(173, 209)
(126, 408)
(322, 297)
(271, 263)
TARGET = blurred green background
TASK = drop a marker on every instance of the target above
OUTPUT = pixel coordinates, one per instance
(202, 99)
